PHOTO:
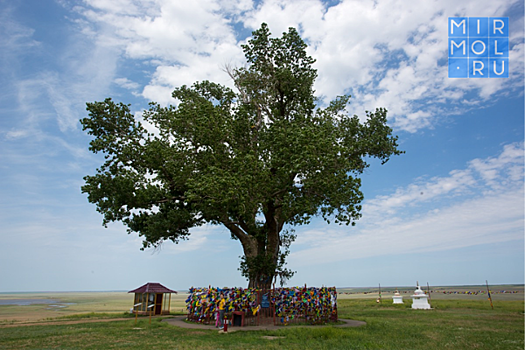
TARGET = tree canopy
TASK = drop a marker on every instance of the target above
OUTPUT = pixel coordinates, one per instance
(259, 159)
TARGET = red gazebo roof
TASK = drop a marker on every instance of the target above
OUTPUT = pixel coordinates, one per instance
(152, 288)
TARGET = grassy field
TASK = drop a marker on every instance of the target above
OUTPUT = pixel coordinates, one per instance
(498, 292)
(452, 324)
(73, 303)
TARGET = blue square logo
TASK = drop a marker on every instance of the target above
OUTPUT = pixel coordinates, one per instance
(478, 27)
(499, 47)
(478, 47)
(499, 27)
(458, 67)
(478, 67)
(498, 68)
(458, 27)
(458, 47)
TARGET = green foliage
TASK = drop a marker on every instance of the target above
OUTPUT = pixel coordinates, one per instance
(255, 160)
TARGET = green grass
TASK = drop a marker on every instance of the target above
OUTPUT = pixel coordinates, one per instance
(452, 324)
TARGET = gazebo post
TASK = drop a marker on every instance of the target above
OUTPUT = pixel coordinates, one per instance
(169, 305)
(150, 310)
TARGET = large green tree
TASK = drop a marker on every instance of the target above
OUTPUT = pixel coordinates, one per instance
(258, 160)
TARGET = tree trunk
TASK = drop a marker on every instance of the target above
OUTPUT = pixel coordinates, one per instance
(261, 249)
(263, 260)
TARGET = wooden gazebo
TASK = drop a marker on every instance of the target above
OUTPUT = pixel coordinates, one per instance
(152, 298)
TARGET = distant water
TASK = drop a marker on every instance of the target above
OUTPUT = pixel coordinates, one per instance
(28, 301)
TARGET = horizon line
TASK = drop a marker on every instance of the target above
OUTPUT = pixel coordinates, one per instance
(187, 290)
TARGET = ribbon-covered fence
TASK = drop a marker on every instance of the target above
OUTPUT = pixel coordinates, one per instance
(255, 307)
(310, 305)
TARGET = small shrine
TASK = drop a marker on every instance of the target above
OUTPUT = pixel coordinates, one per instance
(397, 298)
(420, 299)
(152, 298)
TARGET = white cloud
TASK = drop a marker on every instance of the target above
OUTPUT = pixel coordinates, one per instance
(14, 134)
(280, 15)
(503, 171)
(159, 93)
(86, 70)
(387, 54)
(186, 43)
(14, 37)
(126, 83)
(478, 215)
(499, 173)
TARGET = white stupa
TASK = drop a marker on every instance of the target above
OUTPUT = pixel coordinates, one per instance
(397, 298)
(420, 299)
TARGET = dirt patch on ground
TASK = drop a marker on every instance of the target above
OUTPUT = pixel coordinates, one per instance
(179, 322)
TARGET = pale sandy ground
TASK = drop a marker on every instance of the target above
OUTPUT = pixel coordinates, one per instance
(71, 303)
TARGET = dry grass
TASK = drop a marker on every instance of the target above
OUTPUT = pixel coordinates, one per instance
(73, 303)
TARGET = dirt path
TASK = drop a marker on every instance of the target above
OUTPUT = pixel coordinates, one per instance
(179, 322)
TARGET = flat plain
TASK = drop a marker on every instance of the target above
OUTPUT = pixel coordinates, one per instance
(62, 304)
(461, 318)
(66, 304)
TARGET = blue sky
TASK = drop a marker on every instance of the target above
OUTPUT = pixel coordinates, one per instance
(450, 211)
